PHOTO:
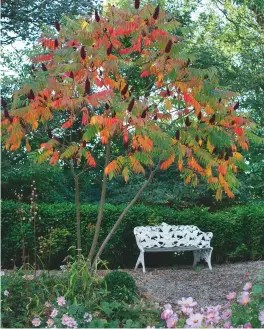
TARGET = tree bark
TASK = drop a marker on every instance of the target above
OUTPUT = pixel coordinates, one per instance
(78, 220)
(120, 218)
(101, 207)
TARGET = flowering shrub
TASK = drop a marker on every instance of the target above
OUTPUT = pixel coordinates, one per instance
(61, 313)
(73, 299)
(241, 311)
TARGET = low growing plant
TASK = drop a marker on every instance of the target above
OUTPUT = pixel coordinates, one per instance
(120, 285)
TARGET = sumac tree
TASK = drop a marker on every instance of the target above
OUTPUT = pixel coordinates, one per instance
(125, 75)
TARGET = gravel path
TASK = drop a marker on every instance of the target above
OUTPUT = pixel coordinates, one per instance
(206, 287)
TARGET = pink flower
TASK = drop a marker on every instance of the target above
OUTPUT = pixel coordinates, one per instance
(172, 321)
(168, 312)
(65, 318)
(187, 302)
(48, 304)
(50, 322)
(248, 325)
(36, 322)
(195, 320)
(261, 317)
(187, 310)
(247, 286)
(213, 316)
(61, 301)
(54, 313)
(226, 314)
(244, 299)
(227, 325)
(231, 296)
(68, 321)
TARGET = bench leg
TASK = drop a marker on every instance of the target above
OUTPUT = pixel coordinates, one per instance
(209, 259)
(141, 260)
(206, 255)
(196, 257)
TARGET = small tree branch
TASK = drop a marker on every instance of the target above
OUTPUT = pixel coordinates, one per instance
(101, 207)
(120, 218)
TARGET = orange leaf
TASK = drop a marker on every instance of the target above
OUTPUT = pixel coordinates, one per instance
(222, 169)
(90, 160)
(167, 163)
(28, 147)
(180, 164)
(54, 159)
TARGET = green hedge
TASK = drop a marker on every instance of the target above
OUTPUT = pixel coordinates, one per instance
(238, 231)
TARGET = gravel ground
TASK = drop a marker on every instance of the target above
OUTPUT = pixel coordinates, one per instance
(206, 287)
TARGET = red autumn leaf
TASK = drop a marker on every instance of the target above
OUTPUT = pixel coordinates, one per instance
(187, 98)
(67, 124)
(222, 169)
(238, 131)
(98, 82)
(144, 74)
(85, 116)
(156, 33)
(238, 120)
(42, 58)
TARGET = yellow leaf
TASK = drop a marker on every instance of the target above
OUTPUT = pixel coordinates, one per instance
(84, 24)
(208, 110)
(238, 155)
(209, 171)
(167, 104)
(219, 194)
(125, 173)
(210, 147)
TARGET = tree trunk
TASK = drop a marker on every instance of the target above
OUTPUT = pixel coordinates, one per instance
(101, 207)
(78, 221)
(120, 218)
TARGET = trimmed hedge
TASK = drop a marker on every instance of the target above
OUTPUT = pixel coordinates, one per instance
(238, 231)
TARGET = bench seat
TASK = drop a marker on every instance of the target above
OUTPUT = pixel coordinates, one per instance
(172, 238)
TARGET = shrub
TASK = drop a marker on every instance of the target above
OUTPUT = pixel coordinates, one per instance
(238, 231)
(120, 286)
(250, 312)
(73, 298)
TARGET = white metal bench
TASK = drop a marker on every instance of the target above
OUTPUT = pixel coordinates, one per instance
(173, 238)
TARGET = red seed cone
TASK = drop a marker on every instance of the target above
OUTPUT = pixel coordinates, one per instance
(83, 53)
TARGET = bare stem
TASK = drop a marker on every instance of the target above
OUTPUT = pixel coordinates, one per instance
(120, 218)
(101, 207)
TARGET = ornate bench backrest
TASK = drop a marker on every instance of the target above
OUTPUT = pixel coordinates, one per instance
(169, 236)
